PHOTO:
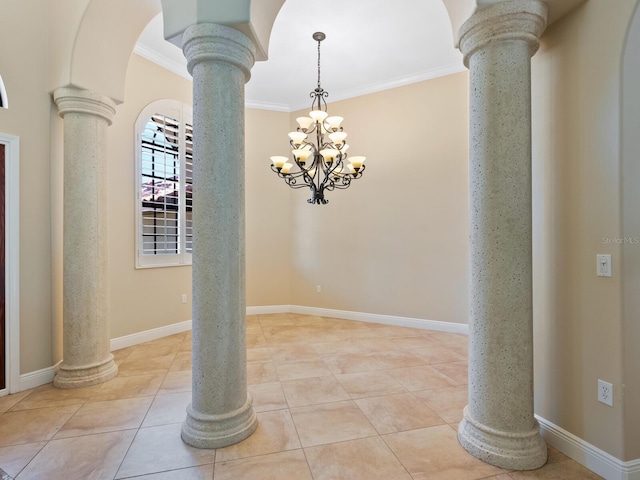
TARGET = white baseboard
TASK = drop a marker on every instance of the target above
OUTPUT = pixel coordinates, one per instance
(267, 309)
(363, 317)
(149, 335)
(385, 319)
(37, 378)
(592, 457)
(44, 376)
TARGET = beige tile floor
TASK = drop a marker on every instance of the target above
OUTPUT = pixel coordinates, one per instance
(336, 400)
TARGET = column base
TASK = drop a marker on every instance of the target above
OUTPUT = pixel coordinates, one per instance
(68, 376)
(215, 431)
(510, 450)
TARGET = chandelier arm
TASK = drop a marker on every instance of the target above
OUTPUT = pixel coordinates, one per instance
(325, 177)
(339, 183)
(307, 176)
(302, 145)
(333, 146)
(335, 166)
(345, 182)
(311, 166)
(304, 173)
(329, 186)
(292, 179)
(295, 185)
(309, 130)
(293, 175)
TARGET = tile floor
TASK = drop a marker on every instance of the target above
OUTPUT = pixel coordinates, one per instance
(336, 400)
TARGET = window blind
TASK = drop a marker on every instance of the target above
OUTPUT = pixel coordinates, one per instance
(165, 185)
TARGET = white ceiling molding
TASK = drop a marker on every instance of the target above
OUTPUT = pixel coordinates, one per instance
(371, 45)
(157, 57)
(389, 84)
(178, 69)
(274, 107)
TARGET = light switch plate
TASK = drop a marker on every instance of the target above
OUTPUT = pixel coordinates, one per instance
(603, 265)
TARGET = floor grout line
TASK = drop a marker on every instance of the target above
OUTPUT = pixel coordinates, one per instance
(288, 341)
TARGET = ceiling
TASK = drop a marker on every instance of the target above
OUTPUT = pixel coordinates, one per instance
(371, 45)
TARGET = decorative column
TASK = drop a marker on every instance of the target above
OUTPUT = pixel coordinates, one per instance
(498, 427)
(87, 358)
(220, 60)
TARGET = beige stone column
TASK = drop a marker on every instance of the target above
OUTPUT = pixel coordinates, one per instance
(499, 427)
(220, 414)
(87, 359)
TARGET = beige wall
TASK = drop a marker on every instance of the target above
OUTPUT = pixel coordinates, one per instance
(23, 66)
(407, 278)
(268, 233)
(395, 242)
(142, 299)
(576, 188)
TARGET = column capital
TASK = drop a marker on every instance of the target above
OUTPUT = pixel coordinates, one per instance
(78, 100)
(499, 22)
(211, 42)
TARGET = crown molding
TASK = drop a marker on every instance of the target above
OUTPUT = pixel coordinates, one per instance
(274, 107)
(430, 74)
(162, 61)
(180, 69)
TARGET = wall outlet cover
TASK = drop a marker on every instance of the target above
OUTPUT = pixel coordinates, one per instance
(605, 393)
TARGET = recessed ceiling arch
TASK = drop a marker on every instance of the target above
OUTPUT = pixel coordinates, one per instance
(97, 56)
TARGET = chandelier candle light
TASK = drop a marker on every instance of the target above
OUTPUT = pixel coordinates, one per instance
(321, 164)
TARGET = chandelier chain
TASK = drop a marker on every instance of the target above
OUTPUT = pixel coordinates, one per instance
(319, 87)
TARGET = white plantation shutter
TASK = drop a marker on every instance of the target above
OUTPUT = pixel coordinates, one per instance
(188, 179)
(164, 159)
(160, 186)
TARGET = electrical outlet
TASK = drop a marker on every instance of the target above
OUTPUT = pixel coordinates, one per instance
(605, 393)
(184, 298)
(318, 288)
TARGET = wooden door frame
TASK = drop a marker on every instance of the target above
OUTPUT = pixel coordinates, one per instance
(12, 260)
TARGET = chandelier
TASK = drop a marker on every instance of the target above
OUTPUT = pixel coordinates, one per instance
(318, 150)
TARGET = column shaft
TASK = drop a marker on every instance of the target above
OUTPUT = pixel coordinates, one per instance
(87, 359)
(220, 413)
(499, 426)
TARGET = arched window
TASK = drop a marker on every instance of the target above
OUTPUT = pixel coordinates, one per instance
(4, 101)
(164, 176)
